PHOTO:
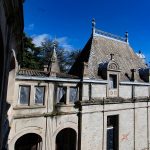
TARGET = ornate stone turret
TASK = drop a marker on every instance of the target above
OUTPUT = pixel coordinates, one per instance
(53, 64)
(52, 67)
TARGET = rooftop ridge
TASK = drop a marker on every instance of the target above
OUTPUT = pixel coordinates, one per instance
(110, 35)
(97, 32)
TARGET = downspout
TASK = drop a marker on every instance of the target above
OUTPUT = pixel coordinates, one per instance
(103, 125)
(46, 118)
(147, 126)
(80, 115)
(133, 98)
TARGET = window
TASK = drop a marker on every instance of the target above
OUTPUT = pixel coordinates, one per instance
(39, 94)
(73, 94)
(112, 132)
(24, 95)
(61, 94)
(112, 81)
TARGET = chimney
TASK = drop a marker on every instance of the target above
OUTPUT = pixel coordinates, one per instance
(85, 70)
(111, 56)
(45, 68)
(133, 71)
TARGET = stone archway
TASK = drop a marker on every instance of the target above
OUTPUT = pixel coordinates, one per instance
(30, 141)
(66, 139)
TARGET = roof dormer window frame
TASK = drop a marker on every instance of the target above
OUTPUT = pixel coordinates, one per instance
(113, 76)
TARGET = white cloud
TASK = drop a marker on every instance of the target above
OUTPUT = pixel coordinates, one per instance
(30, 27)
(38, 39)
(63, 41)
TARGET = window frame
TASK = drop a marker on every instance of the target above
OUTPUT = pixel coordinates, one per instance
(113, 126)
(77, 94)
(114, 81)
(65, 98)
(43, 103)
(29, 86)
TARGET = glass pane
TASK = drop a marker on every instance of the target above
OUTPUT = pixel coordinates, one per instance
(61, 94)
(112, 132)
(24, 94)
(112, 81)
(110, 137)
(39, 95)
(73, 94)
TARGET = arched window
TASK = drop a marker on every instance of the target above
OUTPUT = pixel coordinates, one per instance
(66, 139)
(30, 141)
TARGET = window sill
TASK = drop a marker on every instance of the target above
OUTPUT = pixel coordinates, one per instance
(28, 107)
(64, 105)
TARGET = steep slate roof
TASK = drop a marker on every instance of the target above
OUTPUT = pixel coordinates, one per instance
(98, 50)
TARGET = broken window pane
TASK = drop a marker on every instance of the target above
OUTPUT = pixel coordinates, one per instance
(24, 94)
(39, 95)
(61, 94)
(73, 94)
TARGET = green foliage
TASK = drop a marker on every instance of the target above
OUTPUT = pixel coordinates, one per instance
(36, 57)
(65, 58)
(30, 53)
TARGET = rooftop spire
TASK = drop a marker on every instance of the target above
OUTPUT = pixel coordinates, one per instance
(53, 66)
(126, 37)
(54, 51)
(93, 25)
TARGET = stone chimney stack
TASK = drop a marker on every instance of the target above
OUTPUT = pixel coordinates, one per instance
(133, 74)
(85, 70)
(45, 68)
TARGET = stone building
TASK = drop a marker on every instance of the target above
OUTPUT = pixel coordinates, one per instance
(11, 29)
(103, 103)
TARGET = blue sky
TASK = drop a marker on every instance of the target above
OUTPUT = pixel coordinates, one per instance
(70, 21)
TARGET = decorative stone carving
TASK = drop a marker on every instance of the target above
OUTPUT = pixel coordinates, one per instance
(112, 66)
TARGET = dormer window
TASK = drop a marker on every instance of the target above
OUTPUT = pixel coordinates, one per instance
(110, 71)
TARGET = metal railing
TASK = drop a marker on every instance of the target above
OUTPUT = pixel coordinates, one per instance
(110, 35)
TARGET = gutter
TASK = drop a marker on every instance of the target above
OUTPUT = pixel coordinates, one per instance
(134, 83)
(56, 79)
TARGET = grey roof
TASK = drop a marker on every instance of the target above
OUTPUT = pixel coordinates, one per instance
(98, 50)
(29, 72)
(42, 74)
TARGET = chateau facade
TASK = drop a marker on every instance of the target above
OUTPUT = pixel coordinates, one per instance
(102, 103)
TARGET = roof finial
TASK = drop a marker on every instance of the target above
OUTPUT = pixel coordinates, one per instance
(111, 56)
(93, 25)
(126, 37)
(54, 44)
